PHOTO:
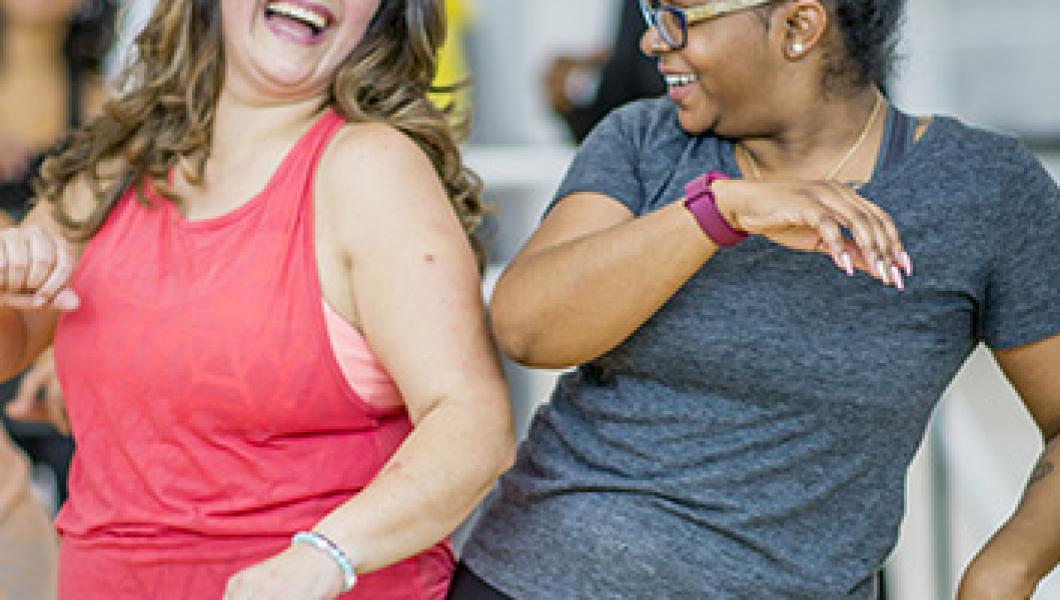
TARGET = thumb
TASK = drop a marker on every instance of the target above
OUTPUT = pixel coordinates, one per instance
(66, 299)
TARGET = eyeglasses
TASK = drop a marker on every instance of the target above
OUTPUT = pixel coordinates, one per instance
(672, 23)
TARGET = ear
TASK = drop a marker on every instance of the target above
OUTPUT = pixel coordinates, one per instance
(801, 25)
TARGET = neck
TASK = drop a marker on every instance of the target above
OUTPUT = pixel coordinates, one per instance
(32, 48)
(814, 138)
(242, 124)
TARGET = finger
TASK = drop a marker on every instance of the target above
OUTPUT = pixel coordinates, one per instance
(60, 274)
(857, 222)
(832, 240)
(852, 250)
(882, 240)
(41, 259)
(23, 301)
(17, 262)
(901, 256)
(66, 300)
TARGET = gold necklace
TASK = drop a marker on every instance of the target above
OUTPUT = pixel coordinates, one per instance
(843, 161)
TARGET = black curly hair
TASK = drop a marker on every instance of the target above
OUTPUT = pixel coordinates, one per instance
(869, 30)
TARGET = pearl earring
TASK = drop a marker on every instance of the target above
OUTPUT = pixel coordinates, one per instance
(797, 48)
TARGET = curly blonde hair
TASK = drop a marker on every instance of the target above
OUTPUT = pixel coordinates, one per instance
(165, 113)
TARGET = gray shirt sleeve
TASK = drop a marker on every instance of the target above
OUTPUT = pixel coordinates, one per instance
(1022, 302)
(607, 163)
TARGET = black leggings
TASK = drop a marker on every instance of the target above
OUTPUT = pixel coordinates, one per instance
(468, 586)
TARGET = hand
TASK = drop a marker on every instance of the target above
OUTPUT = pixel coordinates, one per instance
(40, 397)
(566, 77)
(300, 572)
(35, 270)
(812, 217)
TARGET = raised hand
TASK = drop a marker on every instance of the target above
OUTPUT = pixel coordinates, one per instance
(818, 216)
(35, 270)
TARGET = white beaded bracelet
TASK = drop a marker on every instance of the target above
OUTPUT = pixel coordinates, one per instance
(322, 543)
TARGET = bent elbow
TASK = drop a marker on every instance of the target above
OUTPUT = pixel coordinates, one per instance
(513, 338)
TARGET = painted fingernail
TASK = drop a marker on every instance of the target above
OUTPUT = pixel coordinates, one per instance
(881, 271)
(66, 300)
(907, 264)
(899, 282)
(848, 264)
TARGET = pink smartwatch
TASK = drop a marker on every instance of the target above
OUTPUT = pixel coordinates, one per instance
(699, 200)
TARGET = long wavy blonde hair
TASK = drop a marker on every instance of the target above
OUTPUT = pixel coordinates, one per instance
(165, 112)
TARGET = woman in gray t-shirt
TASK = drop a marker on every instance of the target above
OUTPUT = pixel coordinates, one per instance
(742, 417)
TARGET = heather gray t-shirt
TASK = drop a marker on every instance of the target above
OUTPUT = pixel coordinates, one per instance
(751, 439)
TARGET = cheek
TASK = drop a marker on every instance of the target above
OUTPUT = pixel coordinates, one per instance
(358, 16)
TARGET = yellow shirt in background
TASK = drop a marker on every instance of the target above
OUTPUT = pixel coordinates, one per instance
(452, 63)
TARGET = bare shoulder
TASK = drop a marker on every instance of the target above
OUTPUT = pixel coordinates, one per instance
(372, 158)
(375, 181)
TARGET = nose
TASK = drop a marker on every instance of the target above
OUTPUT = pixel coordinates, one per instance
(651, 44)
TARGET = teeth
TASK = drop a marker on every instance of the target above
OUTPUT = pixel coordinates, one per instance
(679, 80)
(309, 17)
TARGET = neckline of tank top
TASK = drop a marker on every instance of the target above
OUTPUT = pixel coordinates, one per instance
(223, 219)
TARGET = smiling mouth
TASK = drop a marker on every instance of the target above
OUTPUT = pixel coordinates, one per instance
(680, 80)
(299, 14)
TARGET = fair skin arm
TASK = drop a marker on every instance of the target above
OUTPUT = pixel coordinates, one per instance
(415, 295)
(35, 265)
(40, 397)
(1027, 547)
(593, 273)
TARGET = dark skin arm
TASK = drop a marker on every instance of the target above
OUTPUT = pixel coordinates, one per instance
(1027, 547)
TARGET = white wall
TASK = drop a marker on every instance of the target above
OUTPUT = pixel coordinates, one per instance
(510, 49)
(992, 65)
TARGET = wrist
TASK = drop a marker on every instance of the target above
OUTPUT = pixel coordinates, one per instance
(727, 201)
(328, 549)
(701, 202)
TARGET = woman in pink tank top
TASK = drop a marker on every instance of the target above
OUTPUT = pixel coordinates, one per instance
(256, 271)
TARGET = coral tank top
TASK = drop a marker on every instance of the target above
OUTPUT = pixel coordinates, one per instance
(211, 416)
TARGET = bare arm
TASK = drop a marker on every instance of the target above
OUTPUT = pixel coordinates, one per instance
(419, 302)
(592, 274)
(35, 265)
(1027, 547)
(416, 296)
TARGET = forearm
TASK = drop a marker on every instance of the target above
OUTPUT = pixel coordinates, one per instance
(1027, 547)
(571, 303)
(430, 485)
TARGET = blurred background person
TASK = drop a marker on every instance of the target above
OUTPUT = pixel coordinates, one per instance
(51, 56)
(28, 546)
(583, 88)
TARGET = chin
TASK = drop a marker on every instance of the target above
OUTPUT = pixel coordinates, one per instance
(693, 123)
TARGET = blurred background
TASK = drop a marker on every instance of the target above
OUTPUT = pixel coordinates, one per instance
(991, 64)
